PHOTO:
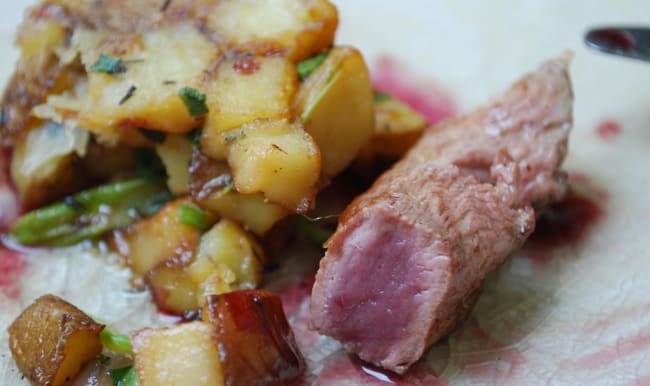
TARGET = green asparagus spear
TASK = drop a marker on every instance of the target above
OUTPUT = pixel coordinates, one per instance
(90, 213)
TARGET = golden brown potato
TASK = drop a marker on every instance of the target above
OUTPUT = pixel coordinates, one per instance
(176, 153)
(298, 28)
(145, 94)
(336, 106)
(162, 237)
(255, 340)
(52, 339)
(38, 70)
(397, 128)
(44, 164)
(172, 289)
(227, 258)
(252, 211)
(276, 158)
(243, 90)
(180, 355)
(211, 186)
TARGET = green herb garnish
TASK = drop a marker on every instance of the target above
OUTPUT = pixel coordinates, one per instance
(87, 215)
(125, 376)
(108, 65)
(307, 66)
(381, 97)
(129, 94)
(194, 101)
(116, 342)
(191, 215)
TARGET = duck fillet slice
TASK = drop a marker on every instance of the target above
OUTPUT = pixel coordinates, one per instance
(407, 260)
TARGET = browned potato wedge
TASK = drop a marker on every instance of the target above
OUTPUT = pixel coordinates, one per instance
(211, 187)
(245, 89)
(154, 240)
(336, 105)
(176, 153)
(38, 72)
(43, 165)
(181, 355)
(299, 28)
(227, 258)
(172, 289)
(397, 128)
(255, 340)
(158, 65)
(52, 339)
(253, 211)
(276, 158)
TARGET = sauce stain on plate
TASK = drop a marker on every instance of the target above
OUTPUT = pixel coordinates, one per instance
(609, 130)
(12, 265)
(425, 97)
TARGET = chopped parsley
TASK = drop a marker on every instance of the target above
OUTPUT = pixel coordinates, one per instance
(194, 101)
(307, 66)
(128, 95)
(381, 97)
(108, 65)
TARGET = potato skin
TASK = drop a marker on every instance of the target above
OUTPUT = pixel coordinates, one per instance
(52, 339)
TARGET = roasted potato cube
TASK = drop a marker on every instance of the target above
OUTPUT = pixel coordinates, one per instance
(252, 211)
(397, 128)
(336, 105)
(181, 355)
(276, 158)
(43, 163)
(154, 240)
(172, 289)
(158, 64)
(52, 339)
(40, 36)
(245, 89)
(176, 153)
(211, 186)
(299, 28)
(227, 258)
(255, 340)
(38, 72)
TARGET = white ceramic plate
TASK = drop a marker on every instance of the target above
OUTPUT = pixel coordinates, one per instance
(572, 307)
